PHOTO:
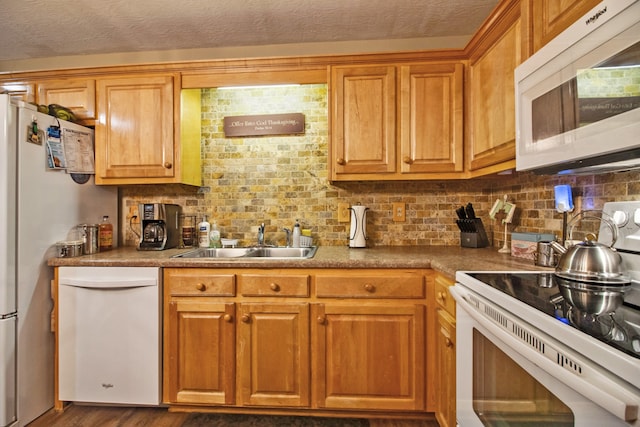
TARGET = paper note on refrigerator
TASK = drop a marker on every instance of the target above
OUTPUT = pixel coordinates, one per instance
(78, 147)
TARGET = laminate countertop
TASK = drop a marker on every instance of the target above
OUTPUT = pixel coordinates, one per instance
(445, 259)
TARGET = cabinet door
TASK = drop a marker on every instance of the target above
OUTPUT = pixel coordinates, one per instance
(77, 95)
(135, 132)
(369, 356)
(446, 370)
(199, 356)
(492, 101)
(19, 91)
(363, 118)
(273, 354)
(550, 17)
(431, 123)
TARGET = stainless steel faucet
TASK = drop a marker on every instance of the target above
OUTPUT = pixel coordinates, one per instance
(287, 237)
(261, 235)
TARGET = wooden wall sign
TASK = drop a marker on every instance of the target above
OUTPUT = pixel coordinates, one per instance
(264, 124)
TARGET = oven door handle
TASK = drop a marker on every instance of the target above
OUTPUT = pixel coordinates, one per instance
(599, 388)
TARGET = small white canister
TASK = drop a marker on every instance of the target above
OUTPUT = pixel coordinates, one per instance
(69, 248)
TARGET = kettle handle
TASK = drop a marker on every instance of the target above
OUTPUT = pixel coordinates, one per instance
(588, 214)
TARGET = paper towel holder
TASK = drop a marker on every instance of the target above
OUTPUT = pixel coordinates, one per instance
(358, 231)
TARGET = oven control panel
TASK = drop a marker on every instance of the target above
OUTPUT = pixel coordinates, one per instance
(626, 217)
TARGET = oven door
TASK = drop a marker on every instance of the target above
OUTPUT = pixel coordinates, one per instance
(503, 381)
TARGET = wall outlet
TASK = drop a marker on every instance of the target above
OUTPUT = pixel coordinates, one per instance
(133, 213)
(344, 215)
(399, 212)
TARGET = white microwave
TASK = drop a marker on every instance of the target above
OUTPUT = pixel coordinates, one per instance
(578, 98)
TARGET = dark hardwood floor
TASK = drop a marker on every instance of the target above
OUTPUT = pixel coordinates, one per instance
(104, 416)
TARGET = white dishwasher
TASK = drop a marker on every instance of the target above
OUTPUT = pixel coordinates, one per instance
(109, 346)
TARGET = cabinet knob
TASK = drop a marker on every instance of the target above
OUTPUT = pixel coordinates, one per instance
(228, 318)
(201, 287)
(442, 297)
(341, 161)
(321, 320)
(448, 342)
(369, 287)
(274, 287)
(408, 160)
(168, 165)
(245, 318)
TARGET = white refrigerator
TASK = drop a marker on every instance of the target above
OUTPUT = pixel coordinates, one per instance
(39, 206)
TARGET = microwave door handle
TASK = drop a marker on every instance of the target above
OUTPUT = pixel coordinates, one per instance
(600, 389)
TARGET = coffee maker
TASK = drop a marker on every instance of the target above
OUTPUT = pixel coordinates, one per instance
(159, 226)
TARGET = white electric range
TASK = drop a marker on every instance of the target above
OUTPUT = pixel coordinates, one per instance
(526, 356)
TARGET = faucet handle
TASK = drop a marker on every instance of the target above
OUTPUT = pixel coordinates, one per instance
(287, 236)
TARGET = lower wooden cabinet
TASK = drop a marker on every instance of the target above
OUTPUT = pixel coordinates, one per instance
(445, 354)
(324, 340)
(446, 370)
(369, 357)
(273, 354)
(199, 351)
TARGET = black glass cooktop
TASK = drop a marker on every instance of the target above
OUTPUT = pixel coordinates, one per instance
(611, 321)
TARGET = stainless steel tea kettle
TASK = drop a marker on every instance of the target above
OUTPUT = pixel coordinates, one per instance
(591, 262)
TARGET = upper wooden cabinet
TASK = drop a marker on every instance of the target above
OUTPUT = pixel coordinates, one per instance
(400, 116)
(491, 94)
(78, 95)
(431, 118)
(545, 19)
(363, 120)
(138, 132)
(399, 121)
(19, 91)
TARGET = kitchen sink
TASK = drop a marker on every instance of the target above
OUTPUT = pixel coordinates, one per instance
(253, 252)
(215, 253)
(267, 252)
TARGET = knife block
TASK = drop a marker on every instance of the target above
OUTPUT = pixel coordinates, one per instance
(472, 233)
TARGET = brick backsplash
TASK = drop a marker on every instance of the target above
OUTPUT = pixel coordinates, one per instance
(278, 179)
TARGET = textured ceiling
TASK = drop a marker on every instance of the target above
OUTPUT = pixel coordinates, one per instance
(41, 28)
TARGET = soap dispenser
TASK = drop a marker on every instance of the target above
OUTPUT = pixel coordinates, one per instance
(204, 228)
(296, 235)
(215, 235)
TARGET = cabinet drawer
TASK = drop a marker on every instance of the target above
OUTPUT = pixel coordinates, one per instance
(370, 286)
(186, 281)
(277, 285)
(443, 298)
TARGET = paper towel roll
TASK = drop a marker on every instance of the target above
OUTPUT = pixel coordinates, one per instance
(358, 231)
